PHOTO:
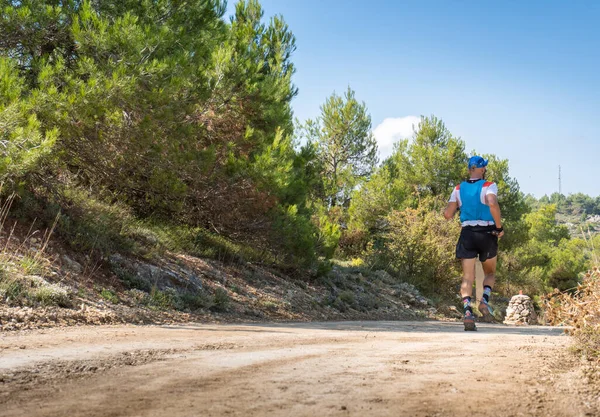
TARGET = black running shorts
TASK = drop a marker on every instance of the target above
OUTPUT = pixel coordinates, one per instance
(477, 241)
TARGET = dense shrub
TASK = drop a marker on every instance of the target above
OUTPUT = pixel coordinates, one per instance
(420, 249)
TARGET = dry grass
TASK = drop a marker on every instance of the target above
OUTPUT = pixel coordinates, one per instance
(23, 264)
(581, 310)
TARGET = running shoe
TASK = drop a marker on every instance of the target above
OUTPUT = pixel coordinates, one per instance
(469, 321)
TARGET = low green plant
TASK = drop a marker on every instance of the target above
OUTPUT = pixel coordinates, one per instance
(85, 221)
(52, 295)
(301, 284)
(324, 267)
(338, 304)
(156, 237)
(221, 300)
(348, 297)
(132, 281)
(31, 265)
(32, 290)
(269, 305)
(11, 289)
(162, 300)
(236, 289)
(368, 302)
(109, 295)
(195, 300)
(138, 297)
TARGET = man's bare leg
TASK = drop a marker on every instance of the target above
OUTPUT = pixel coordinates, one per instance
(468, 267)
(466, 291)
(489, 269)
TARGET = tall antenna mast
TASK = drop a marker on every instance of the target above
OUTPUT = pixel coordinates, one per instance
(559, 182)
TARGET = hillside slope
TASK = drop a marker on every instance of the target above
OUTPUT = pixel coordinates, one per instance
(44, 284)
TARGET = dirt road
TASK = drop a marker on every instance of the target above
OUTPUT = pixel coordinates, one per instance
(309, 369)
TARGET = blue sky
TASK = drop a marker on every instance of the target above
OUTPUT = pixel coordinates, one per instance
(517, 79)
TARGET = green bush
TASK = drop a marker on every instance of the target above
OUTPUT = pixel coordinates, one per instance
(89, 223)
(338, 304)
(329, 236)
(195, 301)
(32, 290)
(225, 250)
(324, 267)
(221, 300)
(348, 297)
(53, 295)
(295, 235)
(109, 295)
(162, 300)
(86, 222)
(131, 280)
(31, 265)
(269, 305)
(540, 266)
(11, 289)
(569, 260)
(368, 302)
(420, 249)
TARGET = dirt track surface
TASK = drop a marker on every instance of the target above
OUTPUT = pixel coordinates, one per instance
(308, 369)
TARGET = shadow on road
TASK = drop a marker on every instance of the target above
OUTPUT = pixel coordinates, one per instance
(377, 326)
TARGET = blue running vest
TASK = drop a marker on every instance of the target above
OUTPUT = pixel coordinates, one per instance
(471, 206)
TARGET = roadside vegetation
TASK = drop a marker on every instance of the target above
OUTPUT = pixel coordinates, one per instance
(580, 309)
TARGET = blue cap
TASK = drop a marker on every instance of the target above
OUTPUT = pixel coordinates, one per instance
(477, 162)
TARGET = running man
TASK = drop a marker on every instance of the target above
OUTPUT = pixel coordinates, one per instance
(481, 223)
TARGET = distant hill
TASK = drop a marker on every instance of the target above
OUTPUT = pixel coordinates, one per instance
(579, 212)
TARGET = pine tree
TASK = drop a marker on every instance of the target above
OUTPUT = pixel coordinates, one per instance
(346, 147)
(160, 105)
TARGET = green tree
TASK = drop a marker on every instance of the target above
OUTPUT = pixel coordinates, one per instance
(373, 201)
(569, 260)
(549, 259)
(560, 201)
(512, 202)
(369, 207)
(432, 163)
(580, 204)
(429, 165)
(533, 202)
(23, 140)
(162, 106)
(346, 147)
(543, 226)
(596, 205)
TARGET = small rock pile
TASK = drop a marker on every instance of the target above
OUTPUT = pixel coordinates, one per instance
(520, 311)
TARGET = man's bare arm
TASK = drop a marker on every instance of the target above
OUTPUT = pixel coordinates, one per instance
(492, 201)
(450, 210)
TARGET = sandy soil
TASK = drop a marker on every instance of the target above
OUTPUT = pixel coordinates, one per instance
(305, 369)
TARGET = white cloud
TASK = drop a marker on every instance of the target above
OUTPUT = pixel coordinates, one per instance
(391, 130)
